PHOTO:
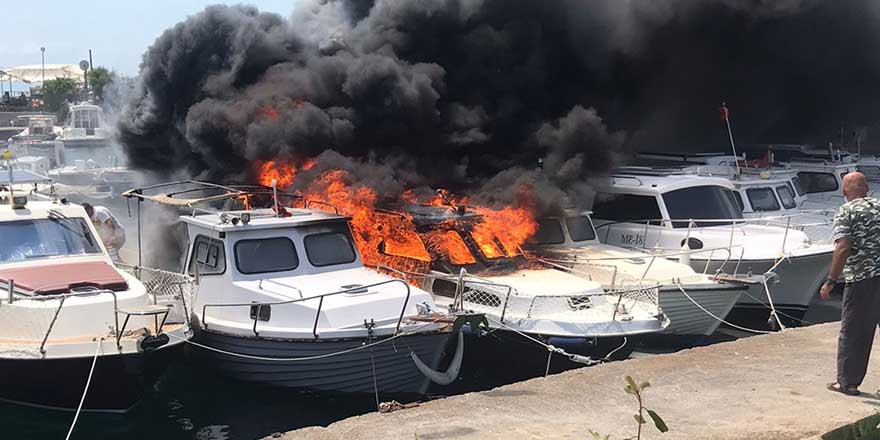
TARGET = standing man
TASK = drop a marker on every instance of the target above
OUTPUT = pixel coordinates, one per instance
(111, 231)
(857, 255)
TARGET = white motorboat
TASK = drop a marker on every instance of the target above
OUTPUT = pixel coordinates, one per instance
(772, 193)
(38, 139)
(822, 182)
(695, 303)
(85, 129)
(522, 297)
(65, 308)
(696, 219)
(285, 300)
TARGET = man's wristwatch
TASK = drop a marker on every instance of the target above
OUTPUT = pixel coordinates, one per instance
(830, 281)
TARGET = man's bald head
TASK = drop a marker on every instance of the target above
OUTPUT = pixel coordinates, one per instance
(855, 186)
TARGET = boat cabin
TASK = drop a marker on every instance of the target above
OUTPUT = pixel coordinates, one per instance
(822, 181)
(653, 209)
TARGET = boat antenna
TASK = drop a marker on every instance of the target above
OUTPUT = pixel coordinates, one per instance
(275, 197)
(859, 145)
(725, 117)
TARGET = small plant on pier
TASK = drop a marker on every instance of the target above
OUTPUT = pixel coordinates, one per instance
(636, 389)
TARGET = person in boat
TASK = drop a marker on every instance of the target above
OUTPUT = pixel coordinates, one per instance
(857, 255)
(111, 231)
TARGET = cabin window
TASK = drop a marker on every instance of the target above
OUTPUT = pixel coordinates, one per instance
(549, 232)
(626, 208)
(329, 248)
(870, 172)
(264, 255)
(444, 288)
(813, 182)
(707, 202)
(25, 240)
(797, 186)
(580, 228)
(207, 257)
(738, 198)
(85, 118)
(762, 199)
(787, 196)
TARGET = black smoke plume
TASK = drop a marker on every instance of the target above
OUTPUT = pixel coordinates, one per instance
(483, 96)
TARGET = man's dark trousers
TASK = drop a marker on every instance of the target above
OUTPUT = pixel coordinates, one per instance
(858, 322)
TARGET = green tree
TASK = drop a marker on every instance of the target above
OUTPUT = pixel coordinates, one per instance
(55, 91)
(99, 77)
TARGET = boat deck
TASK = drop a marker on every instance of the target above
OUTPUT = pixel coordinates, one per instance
(745, 389)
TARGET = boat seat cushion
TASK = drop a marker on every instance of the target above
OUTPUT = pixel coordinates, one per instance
(54, 279)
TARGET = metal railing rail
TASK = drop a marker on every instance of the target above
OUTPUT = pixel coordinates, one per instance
(62, 298)
(278, 283)
(320, 298)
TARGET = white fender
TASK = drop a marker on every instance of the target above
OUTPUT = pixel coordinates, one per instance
(451, 373)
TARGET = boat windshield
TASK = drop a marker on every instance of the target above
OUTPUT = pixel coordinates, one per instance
(330, 248)
(549, 232)
(708, 202)
(871, 172)
(580, 228)
(23, 240)
(762, 199)
(787, 196)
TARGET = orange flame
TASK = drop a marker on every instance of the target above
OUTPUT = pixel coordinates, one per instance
(501, 232)
(282, 173)
(380, 236)
(450, 244)
(390, 238)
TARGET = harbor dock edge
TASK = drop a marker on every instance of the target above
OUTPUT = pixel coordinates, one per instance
(768, 387)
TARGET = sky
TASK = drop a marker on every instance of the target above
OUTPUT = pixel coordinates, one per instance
(117, 31)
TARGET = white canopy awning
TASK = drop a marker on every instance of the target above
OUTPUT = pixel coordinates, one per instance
(34, 72)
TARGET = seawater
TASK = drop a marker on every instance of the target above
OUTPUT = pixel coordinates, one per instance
(190, 403)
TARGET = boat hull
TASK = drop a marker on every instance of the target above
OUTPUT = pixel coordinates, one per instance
(688, 319)
(395, 371)
(118, 383)
(798, 279)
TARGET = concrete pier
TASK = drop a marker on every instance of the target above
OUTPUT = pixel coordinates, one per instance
(769, 387)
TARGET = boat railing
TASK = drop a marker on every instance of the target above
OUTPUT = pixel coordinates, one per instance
(662, 228)
(482, 295)
(166, 287)
(278, 283)
(169, 288)
(256, 308)
(117, 331)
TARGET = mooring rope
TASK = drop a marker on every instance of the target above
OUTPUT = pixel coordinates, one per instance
(86, 391)
(681, 288)
(769, 298)
(586, 360)
(306, 358)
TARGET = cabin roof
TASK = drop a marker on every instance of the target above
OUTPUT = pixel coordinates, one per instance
(40, 209)
(648, 180)
(262, 219)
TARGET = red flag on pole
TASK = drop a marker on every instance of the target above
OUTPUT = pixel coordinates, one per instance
(723, 111)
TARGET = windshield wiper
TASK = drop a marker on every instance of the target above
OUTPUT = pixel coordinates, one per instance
(58, 217)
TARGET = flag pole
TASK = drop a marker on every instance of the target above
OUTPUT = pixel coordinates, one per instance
(725, 116)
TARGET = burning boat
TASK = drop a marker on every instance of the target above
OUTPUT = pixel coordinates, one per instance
(696, 220)
(695, 303)
(472, 268)
(69, 318)
(285, 300)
